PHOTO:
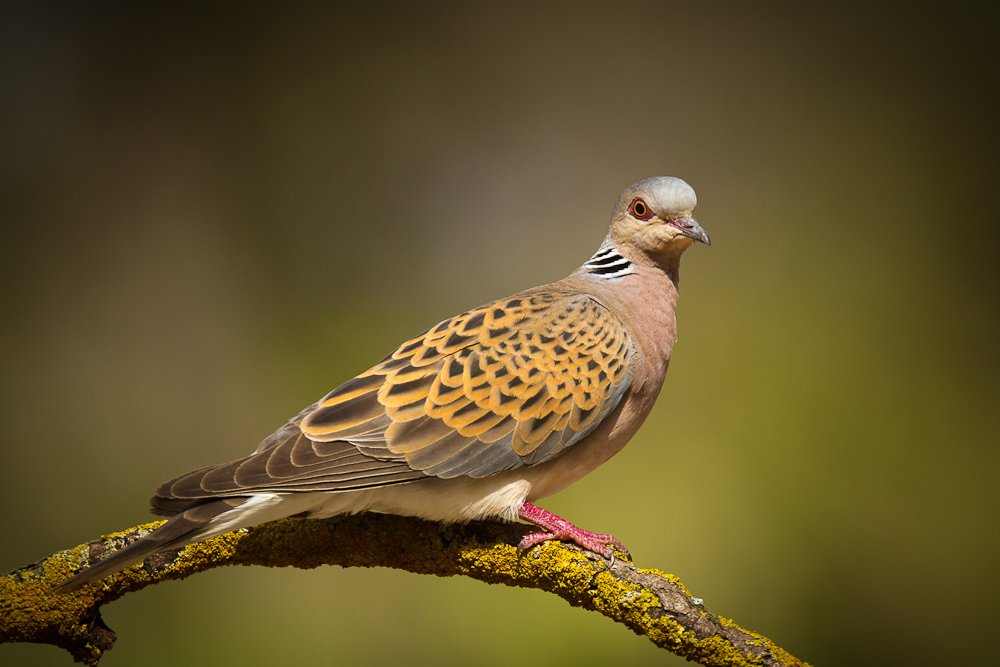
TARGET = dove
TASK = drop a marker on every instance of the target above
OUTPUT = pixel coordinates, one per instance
(478, 417)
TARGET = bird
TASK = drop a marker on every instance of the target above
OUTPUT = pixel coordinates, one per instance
(478, 417)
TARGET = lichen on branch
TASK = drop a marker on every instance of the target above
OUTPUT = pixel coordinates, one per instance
(649, 602)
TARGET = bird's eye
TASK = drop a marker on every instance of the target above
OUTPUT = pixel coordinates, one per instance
(639, 210)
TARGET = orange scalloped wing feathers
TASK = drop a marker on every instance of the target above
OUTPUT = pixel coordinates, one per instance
(508, 384)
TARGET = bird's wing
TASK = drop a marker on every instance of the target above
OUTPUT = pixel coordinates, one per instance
(508, 384)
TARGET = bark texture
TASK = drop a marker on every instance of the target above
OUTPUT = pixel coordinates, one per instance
(649, 602)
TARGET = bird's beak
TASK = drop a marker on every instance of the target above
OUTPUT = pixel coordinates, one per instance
(690, 228)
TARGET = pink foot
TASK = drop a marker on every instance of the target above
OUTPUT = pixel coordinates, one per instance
(557, 528)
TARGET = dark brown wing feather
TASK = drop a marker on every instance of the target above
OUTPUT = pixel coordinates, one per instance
(293, 464)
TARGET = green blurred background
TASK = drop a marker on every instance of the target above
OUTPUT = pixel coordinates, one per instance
(212, 217)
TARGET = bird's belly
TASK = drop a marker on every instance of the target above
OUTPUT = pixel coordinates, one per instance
(450, 500)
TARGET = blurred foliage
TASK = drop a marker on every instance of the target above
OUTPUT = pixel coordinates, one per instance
(213, 216)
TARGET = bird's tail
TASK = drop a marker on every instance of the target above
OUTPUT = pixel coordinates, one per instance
(190, 525)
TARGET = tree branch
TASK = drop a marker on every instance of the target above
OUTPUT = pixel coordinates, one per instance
(650, 602)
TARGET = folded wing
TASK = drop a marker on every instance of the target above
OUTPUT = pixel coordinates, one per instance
(509, 384)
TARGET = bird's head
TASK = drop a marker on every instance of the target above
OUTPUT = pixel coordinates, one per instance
(653, 218)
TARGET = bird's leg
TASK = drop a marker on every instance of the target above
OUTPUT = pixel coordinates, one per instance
(558, 528)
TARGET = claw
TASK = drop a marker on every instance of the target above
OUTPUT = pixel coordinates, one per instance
(557, 528)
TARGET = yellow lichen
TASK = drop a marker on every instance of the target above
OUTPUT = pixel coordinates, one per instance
(31, 611)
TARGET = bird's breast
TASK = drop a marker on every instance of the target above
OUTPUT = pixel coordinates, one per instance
(645, 303)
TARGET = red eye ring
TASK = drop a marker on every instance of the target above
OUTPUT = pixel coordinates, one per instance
(639, 209)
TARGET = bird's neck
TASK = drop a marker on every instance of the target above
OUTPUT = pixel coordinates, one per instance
(669, 260)
(608, 263)
(612, 262)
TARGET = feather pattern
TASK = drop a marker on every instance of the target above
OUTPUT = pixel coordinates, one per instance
(511, 383)
(508, 384)
(609, 264)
